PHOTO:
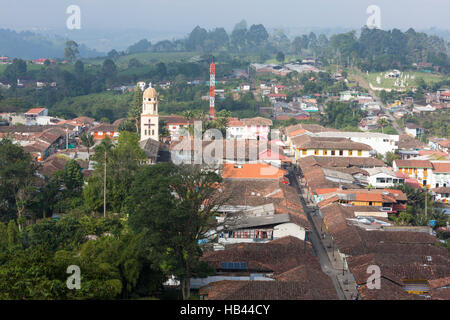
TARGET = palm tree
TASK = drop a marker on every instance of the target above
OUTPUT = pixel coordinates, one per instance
(383, 122)
(87, 140)
(188, 114)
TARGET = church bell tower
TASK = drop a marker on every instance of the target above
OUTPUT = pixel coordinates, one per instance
(149, 115)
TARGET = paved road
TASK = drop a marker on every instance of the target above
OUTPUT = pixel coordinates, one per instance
(324, 247)
(363, 82)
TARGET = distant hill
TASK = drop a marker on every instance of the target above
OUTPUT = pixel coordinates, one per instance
(29, 45)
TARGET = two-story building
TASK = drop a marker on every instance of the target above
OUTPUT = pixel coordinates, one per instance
(306, 145)
(250, 128)
(420, 170)
(103, 130)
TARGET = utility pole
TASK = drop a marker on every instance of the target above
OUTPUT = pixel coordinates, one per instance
(104, 188)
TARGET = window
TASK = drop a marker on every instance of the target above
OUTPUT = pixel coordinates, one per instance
(304, 152)
(145, 132)
(350, 152)
(359, 153)
(325, 152)
(316, 152)
(153, 132)
(341, 152)
(333, 152)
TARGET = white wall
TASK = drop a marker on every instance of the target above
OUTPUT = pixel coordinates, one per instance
(288, 229)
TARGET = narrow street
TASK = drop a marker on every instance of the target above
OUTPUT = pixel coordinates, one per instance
(323, 244)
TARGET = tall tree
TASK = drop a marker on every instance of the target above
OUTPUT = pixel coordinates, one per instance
(136, 109)
(71, 50)
(174, 207)
(16, 177)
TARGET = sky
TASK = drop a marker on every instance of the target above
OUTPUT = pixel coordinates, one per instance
(181, 16)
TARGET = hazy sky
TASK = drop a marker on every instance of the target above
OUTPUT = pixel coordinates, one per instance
(183, 15)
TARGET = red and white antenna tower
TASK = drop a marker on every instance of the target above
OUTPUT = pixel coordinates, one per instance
(212, 89)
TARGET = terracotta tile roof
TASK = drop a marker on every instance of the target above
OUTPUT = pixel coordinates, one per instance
(250, 192)
(53, 164)
(266, 290)
(176, 120)
(297, 132)
(389, 291)
(35, 111)
(230, 149)
(407, 142)
(37, 146)
(326, 190)
(441, 190)
(24, 129)
(235, 122)
(51, 135)
(445, 143)
(441, 167)
(440, 294)
(314, 128)
(83, 120)
(269, 155)
(346, 162)
(434, 153)
(257, 121)
(276, 256)
(252, 171)
(413, 163)
(439, 283)
(104, 127)
(308, 142)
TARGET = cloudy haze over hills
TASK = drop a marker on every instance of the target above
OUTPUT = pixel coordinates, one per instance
(108, 24)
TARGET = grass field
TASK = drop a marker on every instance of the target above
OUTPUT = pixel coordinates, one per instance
(148, 57)
(414, 76)
(30, 67)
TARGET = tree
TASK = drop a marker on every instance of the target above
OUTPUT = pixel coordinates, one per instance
(15, 70)
(390, 157)
(113, 55)
(134, 63)
(196, 39)
(73, 178)
(87, 140)
(79, 68)
(173, 207)
(280, 57)
(17, 177)
(109, 69)
(13, 234)
(383, 122)
(114, 173)
(257, 35)
(136, 109)
(71, 50)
